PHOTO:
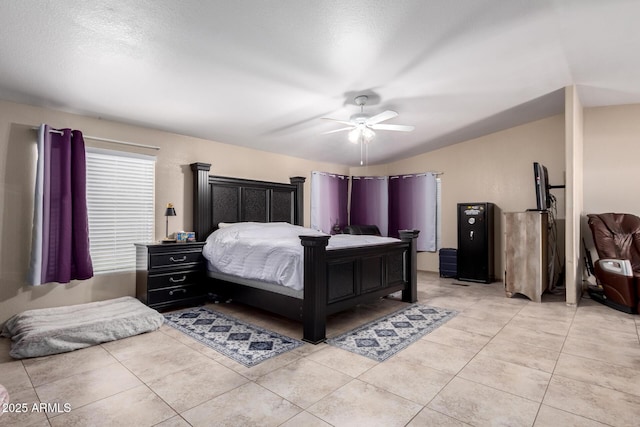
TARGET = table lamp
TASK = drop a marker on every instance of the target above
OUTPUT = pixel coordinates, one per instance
(169, 212)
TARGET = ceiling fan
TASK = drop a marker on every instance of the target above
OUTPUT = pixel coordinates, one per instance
(362, 125)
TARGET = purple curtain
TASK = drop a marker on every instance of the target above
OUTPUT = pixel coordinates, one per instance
(329, 194)
(369, 201)
(412, 205)
(60, 250)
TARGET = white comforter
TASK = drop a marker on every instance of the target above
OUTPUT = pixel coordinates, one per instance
(270, 252)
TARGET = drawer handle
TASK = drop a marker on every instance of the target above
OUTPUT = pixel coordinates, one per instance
(171, 292)
(172, 280)
(184, 258)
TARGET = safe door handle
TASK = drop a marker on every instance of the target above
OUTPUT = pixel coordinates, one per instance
(172, 259)
(171, 292)
(471, 235)
(172, 280)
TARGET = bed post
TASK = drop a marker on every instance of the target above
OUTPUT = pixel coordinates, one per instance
(410, 294)
(298, 215)
(314, 308)
(201, 200)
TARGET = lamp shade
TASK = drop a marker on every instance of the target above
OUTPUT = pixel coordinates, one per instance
(170, 210)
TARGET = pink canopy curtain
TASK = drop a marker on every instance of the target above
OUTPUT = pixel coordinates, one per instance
(329, 195)
(412, 205)
(370, 201)
(60, 246)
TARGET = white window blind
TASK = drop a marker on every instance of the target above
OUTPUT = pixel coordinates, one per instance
(120, 204)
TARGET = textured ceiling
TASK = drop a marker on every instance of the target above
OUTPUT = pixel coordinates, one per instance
(261, 74)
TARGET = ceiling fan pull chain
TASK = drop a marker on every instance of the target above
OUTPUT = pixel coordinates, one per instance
(366, 154)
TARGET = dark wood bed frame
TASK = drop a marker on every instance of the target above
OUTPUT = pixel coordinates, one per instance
(334, 280)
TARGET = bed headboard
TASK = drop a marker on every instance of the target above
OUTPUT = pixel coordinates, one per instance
(223, 199)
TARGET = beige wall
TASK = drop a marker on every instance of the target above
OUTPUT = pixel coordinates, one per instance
(611, 155)
(496, 168)
(173, 184)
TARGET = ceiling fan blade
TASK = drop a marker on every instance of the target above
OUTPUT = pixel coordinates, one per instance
(401, 128)
(338, 121)
(385, 115)
(337, 130)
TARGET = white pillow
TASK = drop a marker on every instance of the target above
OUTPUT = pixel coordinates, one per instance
(224, 224)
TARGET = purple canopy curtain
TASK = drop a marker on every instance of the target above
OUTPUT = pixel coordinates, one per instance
(412, 205)
(370, 201)
(60, 247)
(329, 194)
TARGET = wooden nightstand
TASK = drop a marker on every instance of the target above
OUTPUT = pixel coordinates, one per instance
(170, 274)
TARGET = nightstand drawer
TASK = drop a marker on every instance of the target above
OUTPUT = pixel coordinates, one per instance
(174, 294)
(174, 259)
(175, 278)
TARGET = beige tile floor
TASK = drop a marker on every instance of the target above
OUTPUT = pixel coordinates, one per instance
(500, 362)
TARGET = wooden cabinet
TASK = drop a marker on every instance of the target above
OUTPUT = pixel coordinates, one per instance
(526, 254)
(170, 274)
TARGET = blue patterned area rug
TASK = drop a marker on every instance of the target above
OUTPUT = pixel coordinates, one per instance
(384, 337)
(245, 343)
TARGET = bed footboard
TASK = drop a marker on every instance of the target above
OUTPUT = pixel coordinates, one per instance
(341, 278)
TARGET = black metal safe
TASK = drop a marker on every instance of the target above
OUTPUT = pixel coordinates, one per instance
(475, 242)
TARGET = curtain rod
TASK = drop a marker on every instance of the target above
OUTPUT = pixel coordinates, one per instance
(330, 174)
(113, 141)
(416, 174)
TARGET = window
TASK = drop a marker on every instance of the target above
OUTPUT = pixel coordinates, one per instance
(370, 202)
(412, 205)
(120, 204)
(399, 202)
(329, 195)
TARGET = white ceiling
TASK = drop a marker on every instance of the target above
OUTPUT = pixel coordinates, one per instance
(261, 74)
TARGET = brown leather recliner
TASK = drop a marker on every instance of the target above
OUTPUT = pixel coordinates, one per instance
(617, 240)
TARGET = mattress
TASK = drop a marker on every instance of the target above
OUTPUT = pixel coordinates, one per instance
(270, 252)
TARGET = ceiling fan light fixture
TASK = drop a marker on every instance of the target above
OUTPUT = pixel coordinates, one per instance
(361, 134)
(354, 135)
(368, 134)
